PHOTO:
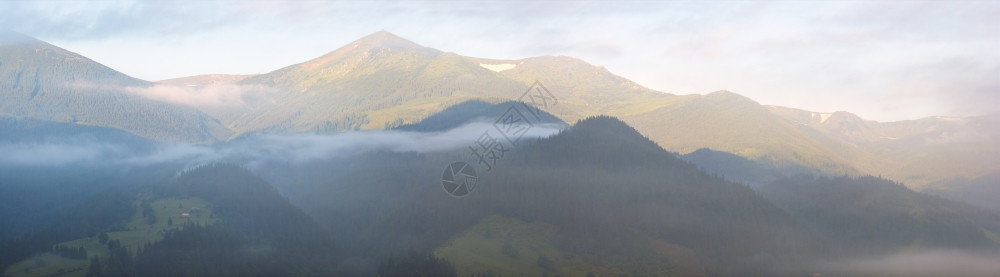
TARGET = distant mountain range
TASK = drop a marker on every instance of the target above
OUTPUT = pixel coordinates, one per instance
(383, 81)
(920, 153)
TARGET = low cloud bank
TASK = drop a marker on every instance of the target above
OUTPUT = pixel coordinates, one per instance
(921, 263)
(52, 154)
(222, 94)
(212, 95)
(285, 148)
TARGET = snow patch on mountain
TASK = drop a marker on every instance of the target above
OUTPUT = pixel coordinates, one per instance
(498, 67)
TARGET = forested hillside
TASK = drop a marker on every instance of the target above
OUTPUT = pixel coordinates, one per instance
(978, 191)
(610, 190)
(260, 233)
(739, 169)
(871, 215)
(42, 81)
(48, 168)
(246, 228)
(472, 111)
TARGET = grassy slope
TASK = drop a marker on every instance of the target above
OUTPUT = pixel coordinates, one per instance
(729, 122)
(480, 249)
(49, 265)
(138, 233)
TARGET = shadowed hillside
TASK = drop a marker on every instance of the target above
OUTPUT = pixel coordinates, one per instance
(610, 190)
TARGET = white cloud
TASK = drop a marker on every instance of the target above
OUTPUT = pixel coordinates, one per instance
(283, 148)
(220, 94)
(922, 263)
(50, 154)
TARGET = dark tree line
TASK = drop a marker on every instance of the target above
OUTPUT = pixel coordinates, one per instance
(260, 233)
(871, 215)
(416, 264)
(119, 262)
(100, 212)
(78, 253)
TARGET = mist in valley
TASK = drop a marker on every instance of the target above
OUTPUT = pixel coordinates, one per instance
(572, 139)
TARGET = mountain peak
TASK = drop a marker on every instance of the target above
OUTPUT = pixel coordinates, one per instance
(611, 127)
(381, 34)
(724, 93)
(602, 141)
(842, 117)
(385, 39)
(731, 97)
(604, 122)
(378, 44)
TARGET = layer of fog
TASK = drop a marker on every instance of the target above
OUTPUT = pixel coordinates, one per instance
(211, 95)
(55, 153)
(253, 150)
(919, 263)
(221, 94)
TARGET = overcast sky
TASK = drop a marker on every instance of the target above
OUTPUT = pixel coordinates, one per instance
(884, 60)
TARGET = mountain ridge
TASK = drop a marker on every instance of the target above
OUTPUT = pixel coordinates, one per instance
(923, 153)
(383, 80)
(43, 81)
